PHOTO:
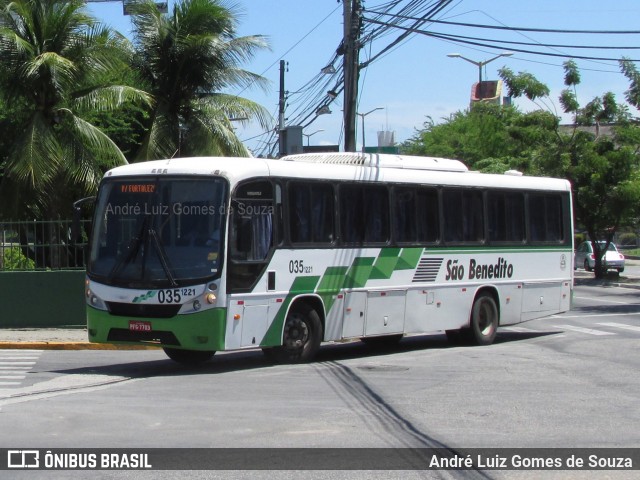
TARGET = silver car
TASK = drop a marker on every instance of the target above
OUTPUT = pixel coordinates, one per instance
(613, 260)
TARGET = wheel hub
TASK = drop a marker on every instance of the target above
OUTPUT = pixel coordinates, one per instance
(296, 333)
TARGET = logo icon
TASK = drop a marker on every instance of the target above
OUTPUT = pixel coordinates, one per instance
(563, 262)
(23, 459)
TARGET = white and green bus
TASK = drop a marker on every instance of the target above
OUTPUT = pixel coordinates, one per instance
(199, 255)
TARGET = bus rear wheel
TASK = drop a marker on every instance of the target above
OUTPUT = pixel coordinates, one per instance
(301, 336)
(188, 357)
(484, 321)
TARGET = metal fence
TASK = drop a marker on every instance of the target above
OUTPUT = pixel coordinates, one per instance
(42, 245)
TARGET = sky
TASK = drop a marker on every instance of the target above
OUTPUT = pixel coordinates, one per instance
(416, 80)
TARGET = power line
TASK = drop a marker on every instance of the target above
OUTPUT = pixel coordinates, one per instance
(454, 39)
(521, 29)
(547, 45)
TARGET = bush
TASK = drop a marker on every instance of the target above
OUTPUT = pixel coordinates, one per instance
(13, 259)
(628, 238)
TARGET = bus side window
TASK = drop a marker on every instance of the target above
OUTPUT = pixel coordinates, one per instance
(404, 215)
(376, 214)
(452, 213)
(505, 217)
(364, 214)
(351, 214)
(253, 231)
(463, 215)
(252, 235)
(428, 211)
(545, 218)
(311, 212)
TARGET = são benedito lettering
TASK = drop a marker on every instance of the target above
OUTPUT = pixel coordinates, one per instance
(502, 269)
(479, 271)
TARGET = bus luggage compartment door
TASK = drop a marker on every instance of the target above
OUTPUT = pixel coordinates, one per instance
(541, 297)
(385, 312)
(355, 306)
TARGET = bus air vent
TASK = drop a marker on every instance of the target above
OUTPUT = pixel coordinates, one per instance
(376, 160)
(142, 310)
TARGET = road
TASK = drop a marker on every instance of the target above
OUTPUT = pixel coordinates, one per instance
(565, 381)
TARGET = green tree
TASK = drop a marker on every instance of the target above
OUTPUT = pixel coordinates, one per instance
(489, 138)
(189, 58)
(603, 171)
(54, 58)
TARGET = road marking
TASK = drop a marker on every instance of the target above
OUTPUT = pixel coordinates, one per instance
(634, 314)
(519, 329)
(621, 325)
(600, 300)
(2, 359)
(14, 365)
(583, 330)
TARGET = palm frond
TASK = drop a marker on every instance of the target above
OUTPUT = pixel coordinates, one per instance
(111, 98)
(36, 155)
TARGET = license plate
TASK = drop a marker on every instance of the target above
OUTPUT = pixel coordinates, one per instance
(139, 326)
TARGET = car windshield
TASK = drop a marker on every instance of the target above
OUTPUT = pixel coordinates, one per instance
(612, 246)
(158, 232)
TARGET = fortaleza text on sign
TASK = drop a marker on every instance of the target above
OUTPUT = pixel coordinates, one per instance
(479, 271)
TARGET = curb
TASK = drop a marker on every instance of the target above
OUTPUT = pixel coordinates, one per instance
(71, 346)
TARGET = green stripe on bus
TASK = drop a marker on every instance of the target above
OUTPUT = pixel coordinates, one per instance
(330, 285)
(300, 285)
(359, 272)
(409, 258)
(385, 264)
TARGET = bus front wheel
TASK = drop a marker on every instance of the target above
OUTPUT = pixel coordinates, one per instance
(188, 357)
(484, 320)
(301, 336)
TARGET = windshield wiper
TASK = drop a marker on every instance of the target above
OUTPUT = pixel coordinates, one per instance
(162, 255)
(131, 252)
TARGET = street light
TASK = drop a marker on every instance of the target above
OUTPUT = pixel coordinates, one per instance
(364, 115)
(323, 110)
(480, 64)
(309, 135)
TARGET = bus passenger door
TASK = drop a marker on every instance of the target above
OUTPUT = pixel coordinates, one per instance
(355, 306)
(385, 312)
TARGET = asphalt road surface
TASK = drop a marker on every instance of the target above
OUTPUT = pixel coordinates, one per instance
(569, 380)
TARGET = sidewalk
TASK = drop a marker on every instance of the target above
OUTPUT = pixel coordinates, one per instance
(56, 339)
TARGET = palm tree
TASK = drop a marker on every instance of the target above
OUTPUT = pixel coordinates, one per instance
(189, 58)
(55, 59)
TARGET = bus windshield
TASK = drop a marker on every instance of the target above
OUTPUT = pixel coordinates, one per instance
(158, 232)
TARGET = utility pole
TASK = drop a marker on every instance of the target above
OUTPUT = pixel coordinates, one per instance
(281, 105)
(351, 61)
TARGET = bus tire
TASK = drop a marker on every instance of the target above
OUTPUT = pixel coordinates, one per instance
(188, 357)
(301, 336)
(485, 319)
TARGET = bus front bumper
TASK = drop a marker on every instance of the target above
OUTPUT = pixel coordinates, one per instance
(196, 331)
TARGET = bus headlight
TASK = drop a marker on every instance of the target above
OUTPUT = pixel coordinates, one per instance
(211, 298)
(95, 301)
